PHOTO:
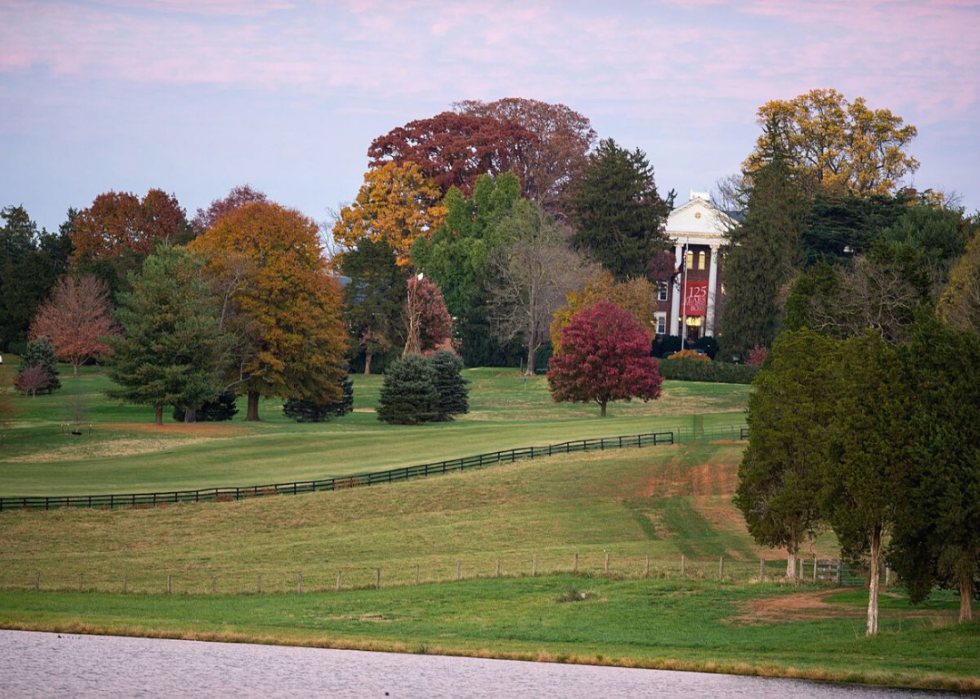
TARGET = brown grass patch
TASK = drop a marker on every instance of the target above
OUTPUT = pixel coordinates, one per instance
(196, 429)
(813, 605)
(710, 478)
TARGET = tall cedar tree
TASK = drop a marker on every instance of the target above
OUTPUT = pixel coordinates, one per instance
(396, 203)
(780, 478)
(936, 541)
(604, 356)
(427, 321)
(619, 216)
(408, 394)
(452, 387)
(869, 452)
(76, 320)
(456, 258)
(373, 299)
(840, 225)
(454, 149)
(760, 258)
(280, 304)
(173, 349)
(559, 153)
(40, 353)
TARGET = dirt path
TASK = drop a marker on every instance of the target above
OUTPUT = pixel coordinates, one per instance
(812, 605)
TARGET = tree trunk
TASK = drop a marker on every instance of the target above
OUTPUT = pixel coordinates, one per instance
(252, 414)
(367, 362)
(602, 408)
(791, 551)
(74, 366)
(873, 588)
(158, 418)
(190, 415)
(966, 598)
(530, 360)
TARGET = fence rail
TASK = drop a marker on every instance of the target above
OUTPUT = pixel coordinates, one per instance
(229, 493)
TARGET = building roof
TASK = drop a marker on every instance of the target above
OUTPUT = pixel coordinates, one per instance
(699, 221)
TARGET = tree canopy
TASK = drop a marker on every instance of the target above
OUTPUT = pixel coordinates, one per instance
(637, 296)
(76, 320)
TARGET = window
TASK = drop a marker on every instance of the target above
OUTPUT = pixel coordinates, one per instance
(690, 259)
(660, 322)
(701, 260)
(661, 291)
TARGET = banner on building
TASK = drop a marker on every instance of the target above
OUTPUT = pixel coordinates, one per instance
(695, 298)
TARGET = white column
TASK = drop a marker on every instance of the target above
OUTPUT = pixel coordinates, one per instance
(675, 297)
(709, 322)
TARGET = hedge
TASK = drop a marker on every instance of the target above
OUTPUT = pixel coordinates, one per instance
(710, 372)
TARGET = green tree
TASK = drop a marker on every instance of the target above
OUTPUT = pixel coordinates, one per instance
(869, 447)
(173, 346)
(938, 234)
(305, 410)
(450, 384)
(840, 225)
(959, 304)
(40, 353)
(619, 216)
(760, 259)
(409, 395)
(780, 479)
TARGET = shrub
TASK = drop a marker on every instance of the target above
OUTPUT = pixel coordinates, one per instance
(757, 356)
(31, 380)
(709, 372)
(449, 382)
(40, 353)
(689, 354)
(222, 408)
(303, 410)
(408, 394)
(708, 345)
(665, 345)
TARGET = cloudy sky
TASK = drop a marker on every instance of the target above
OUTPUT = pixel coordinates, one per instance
(196, 96)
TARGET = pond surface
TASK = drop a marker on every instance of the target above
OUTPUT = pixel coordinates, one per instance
(52, 665)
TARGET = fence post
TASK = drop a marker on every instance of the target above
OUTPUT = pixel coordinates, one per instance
(416, 573)
(721, 567)
(534, 565)
(646, 568)
(79, 582)
(377, 579)
(259, 584)
(606, 567)
(498, 567)
(459, 566)
(37, 581)
(125, 584)
(888, 576)
(814, 568)
(683, 566)
(170, 584)
(762, 570)
(214, 584)
(575, 563)
(338, 581)
(840, 571)
(299, 584)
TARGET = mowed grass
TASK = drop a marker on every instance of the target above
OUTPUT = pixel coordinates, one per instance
(661, 502)
(121, 451)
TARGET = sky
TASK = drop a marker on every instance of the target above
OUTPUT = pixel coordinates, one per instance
(197, 96)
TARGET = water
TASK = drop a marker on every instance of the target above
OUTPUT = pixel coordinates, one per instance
(51, 665)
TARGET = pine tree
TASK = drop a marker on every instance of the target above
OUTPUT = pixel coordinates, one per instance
(452, 387)
(306, 410)
(40, 353)
(408, 394)
(222, 408)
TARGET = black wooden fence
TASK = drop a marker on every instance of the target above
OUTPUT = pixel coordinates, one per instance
(226, 494)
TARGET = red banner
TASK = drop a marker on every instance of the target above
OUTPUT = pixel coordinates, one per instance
(695, 298)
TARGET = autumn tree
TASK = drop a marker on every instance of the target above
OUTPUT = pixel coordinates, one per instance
(780, 478)
(959, 304)
(31, 380)
(831, 143)
(396, 203)
(427, 321)
(618, 215)
(530, 275)
(76, 320)
(604, 356)
(452, 149)
(374, 297)
(279, 303)
(556, 157)
(172, 350)
(237, 198)
(637, 296)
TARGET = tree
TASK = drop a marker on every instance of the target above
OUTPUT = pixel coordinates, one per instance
(279, 303)
(396, 203)
(374, 297)
(841, 225)
(237, 198)
(637, 296)
(408, 394)
(959, 304)
(40, 353)
(451, 386)
(427, 322)
(938, 234)
(556, 157)
(31, 380)
(619, 216)
(304, 410)
(530, 275)
(759, 260)
(7, 409)
(76, 320)
(868, 451)
(172, 350)
(454, 149)
(791, 408)
(936, 540)
(831, 143)
(220, 409)
(604, 356)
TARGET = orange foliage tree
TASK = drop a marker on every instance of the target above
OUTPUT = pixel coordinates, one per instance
(279, 302)
(76, 320)
(396, 203)
(637, 296)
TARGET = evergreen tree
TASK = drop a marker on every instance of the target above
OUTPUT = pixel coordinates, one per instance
(306, 410)
(759, 259)
(173, 348)
(40, 353)
(408, 394)
(221, 409)
(449, 382)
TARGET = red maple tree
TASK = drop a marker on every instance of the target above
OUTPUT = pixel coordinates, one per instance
(427, 320)
(76, 320)
(237, 198)
(604, 356)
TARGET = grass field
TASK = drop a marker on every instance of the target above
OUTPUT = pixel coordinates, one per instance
(124, 452)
